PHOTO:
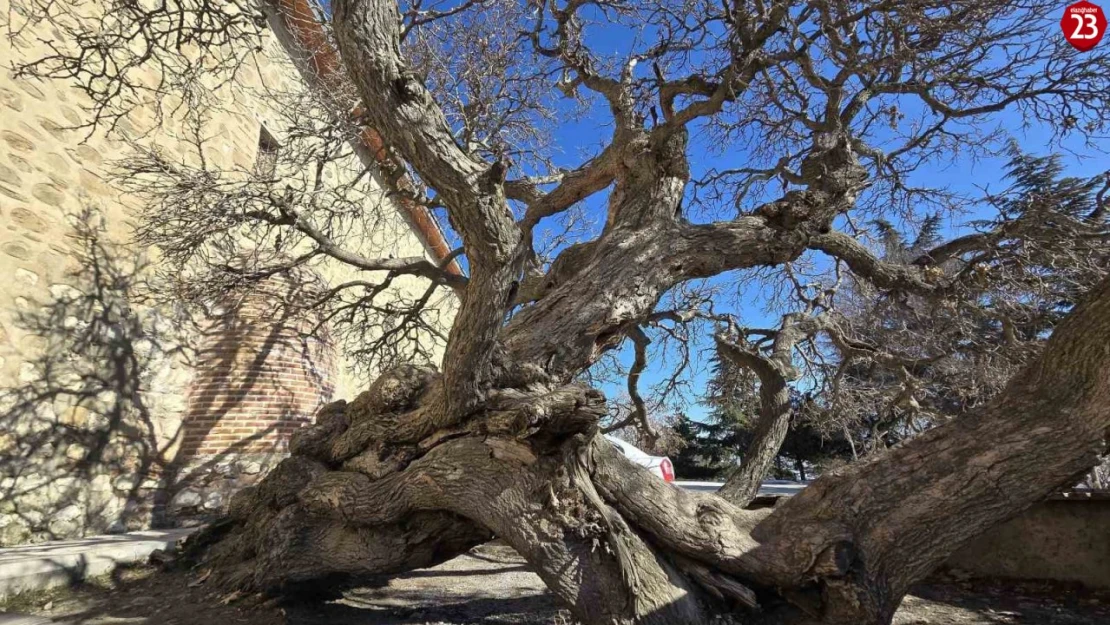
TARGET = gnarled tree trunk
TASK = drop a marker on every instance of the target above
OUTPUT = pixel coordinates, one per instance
(372, 490)
(426, 464)
(501, 441)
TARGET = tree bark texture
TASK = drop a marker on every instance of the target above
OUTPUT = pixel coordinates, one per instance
(502, 442)
(368, 492)
(775, 372)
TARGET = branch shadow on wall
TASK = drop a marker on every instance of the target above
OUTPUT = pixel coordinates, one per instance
(259, 375)
(82, 450)
(91, 434)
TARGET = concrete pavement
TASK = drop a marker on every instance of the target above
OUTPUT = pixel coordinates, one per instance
(45, 565)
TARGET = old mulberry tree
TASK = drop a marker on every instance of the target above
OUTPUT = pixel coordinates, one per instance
(824, 109)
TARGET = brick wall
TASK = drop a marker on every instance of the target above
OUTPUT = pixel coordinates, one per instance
(259, 375)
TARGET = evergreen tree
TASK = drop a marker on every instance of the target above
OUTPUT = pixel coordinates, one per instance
(716, 443)
(1042, 259)
(713, 444)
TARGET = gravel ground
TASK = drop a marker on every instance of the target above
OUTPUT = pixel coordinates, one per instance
(493, 586)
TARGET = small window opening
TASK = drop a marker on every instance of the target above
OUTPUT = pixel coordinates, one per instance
(265, 164)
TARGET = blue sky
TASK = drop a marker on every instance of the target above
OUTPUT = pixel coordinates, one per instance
(962, 174)
(958, 173)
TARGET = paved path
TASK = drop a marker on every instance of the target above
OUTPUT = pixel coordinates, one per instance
(41, 566)
(25, 619)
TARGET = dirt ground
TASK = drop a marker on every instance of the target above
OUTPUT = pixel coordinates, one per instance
(493, 586)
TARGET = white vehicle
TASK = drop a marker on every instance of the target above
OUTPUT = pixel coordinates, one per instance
(659, 465)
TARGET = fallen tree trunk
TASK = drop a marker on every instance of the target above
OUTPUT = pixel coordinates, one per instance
(364, 496)
(336, 514)
(501, 442)
(424, 465)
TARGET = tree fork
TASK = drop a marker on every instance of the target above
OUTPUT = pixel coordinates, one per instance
(618, 545)
(518, 472)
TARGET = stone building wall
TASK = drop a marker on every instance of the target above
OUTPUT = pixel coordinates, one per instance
(1063, 539)
(114, 411)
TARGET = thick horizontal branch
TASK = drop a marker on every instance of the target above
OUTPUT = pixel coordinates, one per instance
(867, 265)
(702, 527)
(924, 499)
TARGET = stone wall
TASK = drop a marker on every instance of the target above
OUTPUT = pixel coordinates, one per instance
(112, 407)
(1063, 539)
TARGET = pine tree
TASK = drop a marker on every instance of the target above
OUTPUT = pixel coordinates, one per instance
(717, 442)
(1044, 258)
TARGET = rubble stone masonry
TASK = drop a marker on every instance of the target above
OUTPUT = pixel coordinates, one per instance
(117, 414)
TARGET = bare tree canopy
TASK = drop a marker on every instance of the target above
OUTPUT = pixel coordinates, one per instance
(834, 107)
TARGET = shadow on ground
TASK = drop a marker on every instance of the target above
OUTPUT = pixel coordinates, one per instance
(490, 586)
(1003, 602)
(493, 586)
